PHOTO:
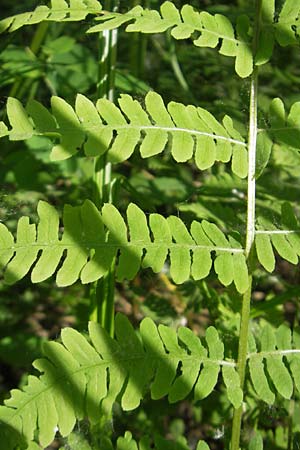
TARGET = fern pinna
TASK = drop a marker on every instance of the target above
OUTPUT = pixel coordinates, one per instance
(83, 376)
(92, 240)
(78, 375)
(188, 130)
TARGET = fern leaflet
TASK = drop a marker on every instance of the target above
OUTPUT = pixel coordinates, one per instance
(80, 376)
(285, 240)
(279, 357)
(91, 240)
(60, 10)
(187, 130)
(212, 30)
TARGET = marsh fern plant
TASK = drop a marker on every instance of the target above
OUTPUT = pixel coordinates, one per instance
(82, 376)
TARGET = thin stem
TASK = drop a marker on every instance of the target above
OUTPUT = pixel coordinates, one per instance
(290, 424)
(175, 64)
(102, 292)
(241, 364)
(250, 233)
(138, 46)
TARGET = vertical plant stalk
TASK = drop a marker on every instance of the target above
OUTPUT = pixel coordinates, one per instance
(138, 46)
(250, 233)
(102, 292)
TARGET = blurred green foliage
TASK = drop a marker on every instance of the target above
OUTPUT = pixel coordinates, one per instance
(59, 59)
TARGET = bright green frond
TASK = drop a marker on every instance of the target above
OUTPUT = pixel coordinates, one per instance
(285, 240)
(92, 239)
(58, 11)
(188, 130)
(77, 377)
(210, 30)
(275, 367)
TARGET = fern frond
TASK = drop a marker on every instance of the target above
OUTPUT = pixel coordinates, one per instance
(60, 10)
(285, 240)
(275, 368)
(78, 376)
(212, 30)
(188, 130)
(91, 240)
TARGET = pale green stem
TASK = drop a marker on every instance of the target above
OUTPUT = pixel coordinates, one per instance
(102, 292)
(170, 56)
(175, 65)
(138, 45)
(250, 234)
(245, 314)
(290, 424)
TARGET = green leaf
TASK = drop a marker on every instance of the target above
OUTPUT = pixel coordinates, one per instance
(24, 258)
(211, 30)
(259, 380)
(3, 129)
(239, 163)
(98, 138)
(264, 251)
(244, 57)
(202, 446)
(70, 128)
(256, 442)
(266, 36)
(277, 113)
(58, 11)
(284, 248)
(287, 22)
(240, 272)
(79, 373)
(44, 121)
(21, 126)
(91, 240)
(288, 217)
(232, 383)
(263, 152)
(282, 130)
(280, 376)
(277, 353)
(209, 33)
(120, 130)
(33, 446)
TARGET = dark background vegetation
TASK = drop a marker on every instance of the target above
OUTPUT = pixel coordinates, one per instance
(66, 63)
